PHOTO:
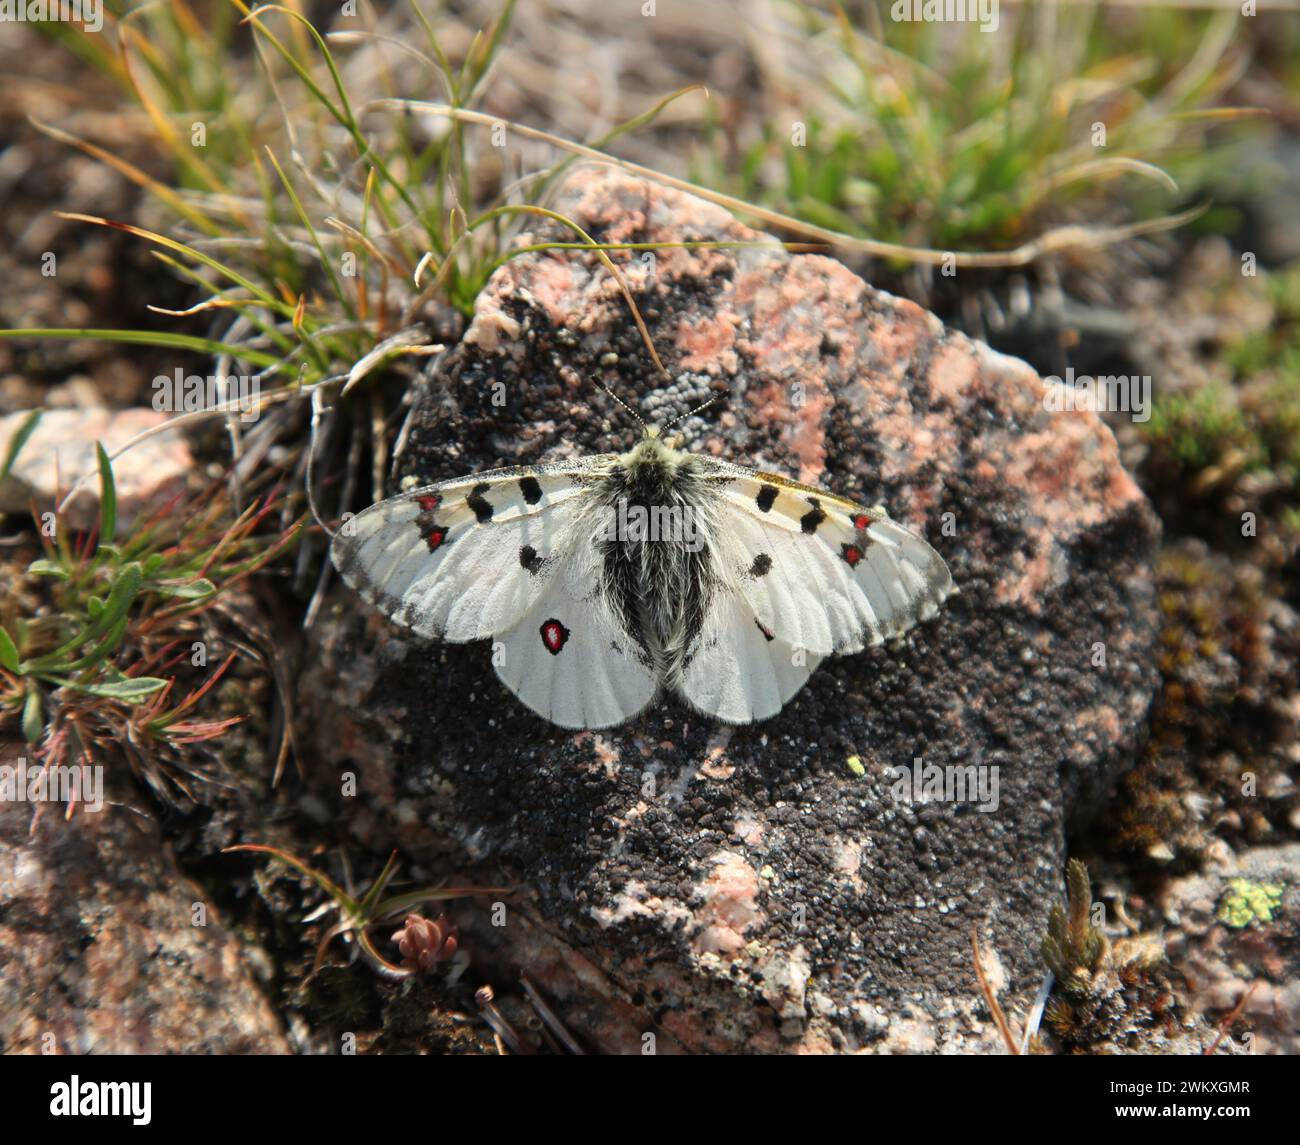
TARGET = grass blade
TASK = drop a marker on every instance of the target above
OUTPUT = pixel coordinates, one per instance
(19, 440)
(107, 497)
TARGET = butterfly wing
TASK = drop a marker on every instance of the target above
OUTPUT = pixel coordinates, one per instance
(738, 671)
(506, 555)
(800, 574)
(569, 658)
(463, 559)
(824, 573)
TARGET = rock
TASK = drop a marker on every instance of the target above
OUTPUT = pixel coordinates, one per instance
(62, 449)
(1235, 934)
(771, 887)
(99, 950)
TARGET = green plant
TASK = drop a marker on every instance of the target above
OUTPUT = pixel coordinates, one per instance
(1206, 440)
(358, 915)
(1073, 948)
(1107, 996)
(97, 637)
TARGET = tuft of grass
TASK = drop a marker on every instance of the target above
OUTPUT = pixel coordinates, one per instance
(100, 633)
(904, 133)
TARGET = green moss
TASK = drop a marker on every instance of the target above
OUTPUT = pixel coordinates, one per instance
(1201, 429)
(1203, 443)
(1107, 998)
(1248, 902)
(1223, 657)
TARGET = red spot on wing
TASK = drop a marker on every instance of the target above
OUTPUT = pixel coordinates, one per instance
(429, 502)
(852, 554)
(554, 635)
(861, 521)
(435, 537)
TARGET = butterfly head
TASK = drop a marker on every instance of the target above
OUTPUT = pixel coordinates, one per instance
(656, 434)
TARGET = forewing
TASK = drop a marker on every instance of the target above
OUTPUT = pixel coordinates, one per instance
(822, 573)
(465, 559)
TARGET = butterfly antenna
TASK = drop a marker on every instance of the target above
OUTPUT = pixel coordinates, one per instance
(624, 404)
(692, 412)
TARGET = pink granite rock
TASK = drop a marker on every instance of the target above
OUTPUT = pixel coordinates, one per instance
(1248, 956)
(106, 948)
(749, 888)
(62, 449)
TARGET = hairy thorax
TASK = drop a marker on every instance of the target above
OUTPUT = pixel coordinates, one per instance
(656, 556)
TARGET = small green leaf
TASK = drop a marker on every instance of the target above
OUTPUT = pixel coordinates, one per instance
(189, 590)
(107, 497)
(153, 563)
(120, 597)
(43, 567)
(8, 652)
(33, 715)
(128, 688)
(126, 587)
(95, 607)
(18, 441)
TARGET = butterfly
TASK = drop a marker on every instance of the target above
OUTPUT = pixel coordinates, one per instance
(608, 580)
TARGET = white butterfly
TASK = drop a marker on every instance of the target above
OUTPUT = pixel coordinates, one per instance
(605, 580)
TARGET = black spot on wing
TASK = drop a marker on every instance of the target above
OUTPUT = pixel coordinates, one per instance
(762, 565)
(814, 517)
(531, 489)
(768, 635)
(529, 559)
(480, 504)
(766, 498)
